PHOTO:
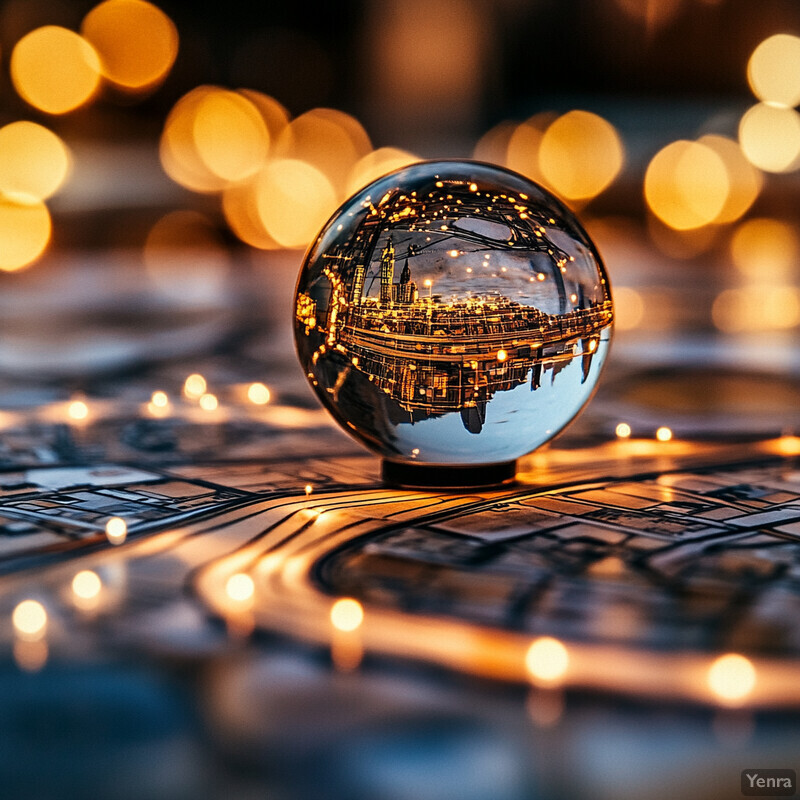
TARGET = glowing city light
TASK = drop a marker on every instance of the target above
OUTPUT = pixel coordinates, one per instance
(86, 585)
(208, 402)
(757, 308)
(765, 249)
(327, 140)
(159, 399)
(580, 155)
(502, 355)
(77, 410)
(24, 233)
(136, 41)
(731, 678)
(347, 614)
(194, 386)
(116, 530)
(376, 164)
(686, 185)
(258, 394)
(663, 434)
(294, 200)
(773, 70)
(240, 587)
(230, 136)
(308, 489)
(623, 430)
(55, 69)
(744, 180)
(34, 162)
(770, 137)
(547, 660)
(29, 619)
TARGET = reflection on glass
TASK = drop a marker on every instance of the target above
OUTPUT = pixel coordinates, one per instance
(453, 313)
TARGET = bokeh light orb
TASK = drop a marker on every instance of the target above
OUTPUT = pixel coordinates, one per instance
(453, 316)
(55, 70)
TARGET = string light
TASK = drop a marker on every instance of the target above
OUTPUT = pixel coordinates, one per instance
(347, 614)
(258, 394)
(116, 530)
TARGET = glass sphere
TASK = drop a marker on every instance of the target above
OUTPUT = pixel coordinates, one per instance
(453, 313)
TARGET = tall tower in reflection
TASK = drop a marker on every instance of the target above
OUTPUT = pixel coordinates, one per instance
(358, 285)
(387, 272)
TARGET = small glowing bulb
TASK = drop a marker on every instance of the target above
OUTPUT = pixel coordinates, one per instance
(86, 585)
(160, 399)
(473, 187)
(663, 434)
(195, 386)
(29, 619)
(78, 410)
(240, 587)
(309, 489)
(258, 394)
(453, 253)
(732, 677)
(347, 614)
(547, 659)
(623, 430)
(427, 283)
(209, 402)
(116, 530)
(502, 355)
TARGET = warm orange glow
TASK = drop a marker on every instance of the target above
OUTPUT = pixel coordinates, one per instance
(347, 614)
(757, 308)
(258, 394)
(664, 434)
(34, 162)
(308, 489)
(686, 185)
(137, 42)
(86, 585)
(29, 619)
(502, 355)
(240, 587)
(55, 69)
(294, 201)
(208, 402)
(770, 137)
(376, 164)
(77, 410)
(230, 136)
(160, 399)
(744, 180)
(580, 155)
(731, 678)
(331, 141)
(116, 530)
(546, 660)
(178, 151)
(773, 70)
(628, 308)
(194, 386)
(275, 116)
(24, 233)
(240, 207)
(623, 430)
(765, 249)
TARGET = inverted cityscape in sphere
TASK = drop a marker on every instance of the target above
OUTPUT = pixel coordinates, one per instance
(453, 313)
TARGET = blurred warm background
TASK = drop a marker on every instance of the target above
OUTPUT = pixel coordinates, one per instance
(162, 167)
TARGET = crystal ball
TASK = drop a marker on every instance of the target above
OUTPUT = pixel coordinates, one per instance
(453, 314)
